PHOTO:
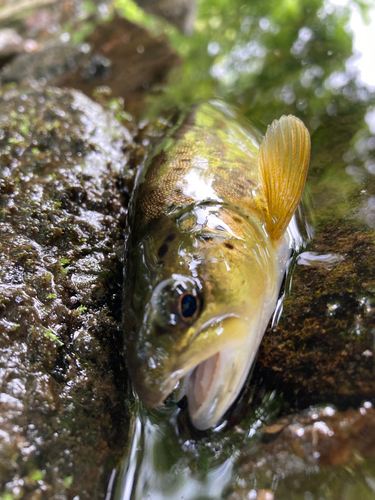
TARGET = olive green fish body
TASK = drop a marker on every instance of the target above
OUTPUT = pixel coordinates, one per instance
(204, 266)
(200, 163)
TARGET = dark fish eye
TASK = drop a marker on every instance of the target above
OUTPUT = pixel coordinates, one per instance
(175, 303)
(188, 305)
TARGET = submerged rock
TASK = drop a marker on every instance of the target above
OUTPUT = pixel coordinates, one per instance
(63, 418)
(319, 454)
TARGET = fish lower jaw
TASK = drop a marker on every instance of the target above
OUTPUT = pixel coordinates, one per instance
(212, 374)
(155, 392)
(200, 389)
(213, 385)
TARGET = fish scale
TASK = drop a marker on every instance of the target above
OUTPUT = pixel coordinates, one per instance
(232, 172)
(207, 253)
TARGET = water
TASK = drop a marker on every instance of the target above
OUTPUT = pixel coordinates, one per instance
(313, 376)
(169, 461)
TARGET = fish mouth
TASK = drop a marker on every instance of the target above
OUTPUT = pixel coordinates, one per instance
(213, 384)
(201, 380)
(211, 371)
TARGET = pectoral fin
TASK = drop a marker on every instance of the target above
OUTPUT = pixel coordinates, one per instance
(283, 163)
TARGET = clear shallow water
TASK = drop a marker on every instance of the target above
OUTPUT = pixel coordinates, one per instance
(150, 473)
(271, 59)
(169, 461)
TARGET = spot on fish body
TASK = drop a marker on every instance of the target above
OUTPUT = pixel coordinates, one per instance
(163, 250)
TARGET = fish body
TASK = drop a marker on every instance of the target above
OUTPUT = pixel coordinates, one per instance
(206, 254)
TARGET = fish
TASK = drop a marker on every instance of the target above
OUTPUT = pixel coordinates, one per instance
(206, 254)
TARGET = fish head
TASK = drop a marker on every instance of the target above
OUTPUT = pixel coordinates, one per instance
(195, 310)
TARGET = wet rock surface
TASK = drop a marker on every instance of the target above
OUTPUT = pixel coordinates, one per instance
(42, 65)
(324, 445)
(322, 350)
(63, 416)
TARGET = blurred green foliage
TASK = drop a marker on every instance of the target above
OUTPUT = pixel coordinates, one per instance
(258, 54)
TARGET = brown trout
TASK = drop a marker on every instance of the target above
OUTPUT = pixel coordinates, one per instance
(206, 254)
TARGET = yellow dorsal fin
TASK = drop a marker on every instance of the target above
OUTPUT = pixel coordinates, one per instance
(283, 163)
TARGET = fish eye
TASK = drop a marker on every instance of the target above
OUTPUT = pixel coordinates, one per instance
(176, 302)
(188, 305)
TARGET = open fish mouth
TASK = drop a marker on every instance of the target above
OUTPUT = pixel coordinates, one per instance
(213, 384)
(212, 372)
(202, 379)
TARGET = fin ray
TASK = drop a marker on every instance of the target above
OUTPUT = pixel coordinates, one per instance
(283, 163)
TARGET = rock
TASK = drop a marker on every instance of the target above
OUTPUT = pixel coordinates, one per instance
(136, 61)
(123, 57)
(178, 12)
(321, 351)
(306, 455)
(43, 64)
(63, 417)
(11, 43)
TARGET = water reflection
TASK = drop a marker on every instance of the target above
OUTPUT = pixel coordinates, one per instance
(313, 259)
(158, 465)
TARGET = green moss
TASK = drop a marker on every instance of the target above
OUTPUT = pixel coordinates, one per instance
(52, 336)
(8, 496)
(37, 475)
(68, 481)
(81, 309)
